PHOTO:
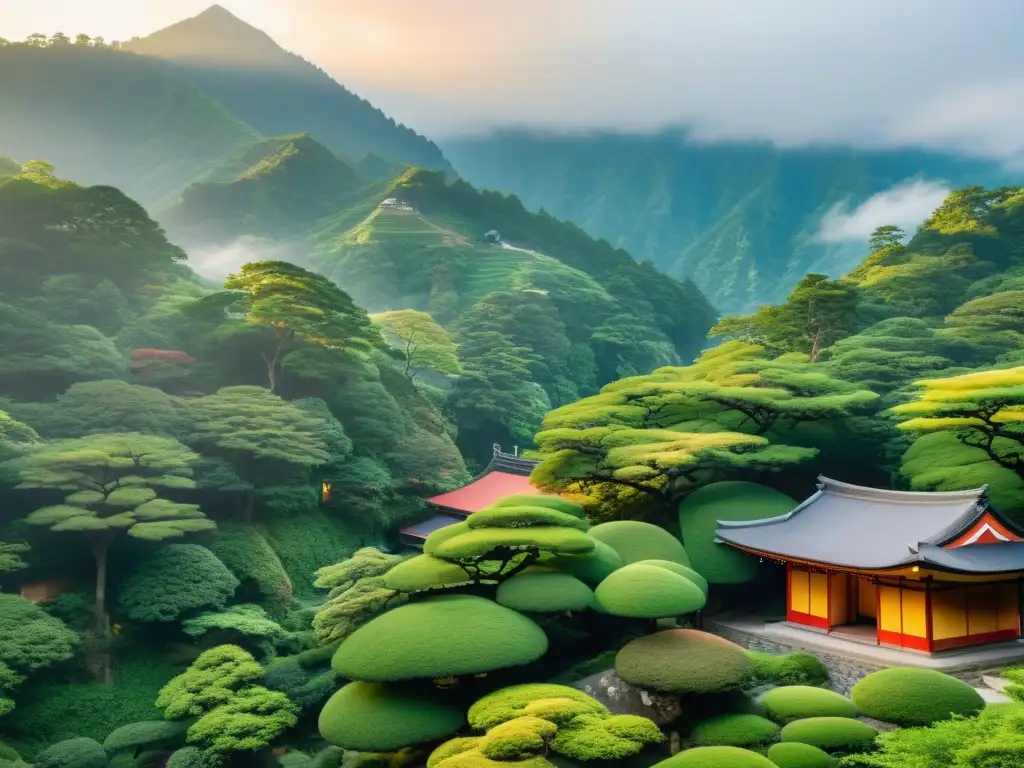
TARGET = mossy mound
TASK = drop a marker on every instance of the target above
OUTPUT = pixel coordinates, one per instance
(441, 535)
(474, 758)
(793, 702)
(371, 717)
(167, 734)
(792, 754)
(596, 737)
(556, 503)
(545, 593)
(423, 572)
(911, 696)
(684, 661)
(683, 570)
(735, 731)
(593, 567)
(636, 541)
(517, 738)
(716, 757)
(73, 753)
(516, 700)
(797, 668)
(442, 636)
(514, 517)
(478, 542)
(699, 514)
(452, 747)
(641, 591)
(831, 734)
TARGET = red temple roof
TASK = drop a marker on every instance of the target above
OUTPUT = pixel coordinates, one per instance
(483, 492)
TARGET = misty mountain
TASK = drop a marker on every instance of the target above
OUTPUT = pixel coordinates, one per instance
(278, 92)
(742, 220)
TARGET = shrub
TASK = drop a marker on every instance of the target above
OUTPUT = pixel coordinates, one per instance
(175, 580)
(187, 757)
(424, 572)
(735, 731)
(512, 702)
(517, 738)
(685, 571)
(148, 733)
(597, 737)
(452, 747)
(253, 561)
(684, 661)
(796, 668)
(592, 567)
(32, 639)
(832, 734)
(716, 757)
(371, 717)
(1004, 752)
(556, 503)
(912, 696)
(641, 591)
(635, 541)
(514, 517)
(793, 702)
(699, 514)
(551, 592)
(793, 754)
(443, 636)
(73, 753)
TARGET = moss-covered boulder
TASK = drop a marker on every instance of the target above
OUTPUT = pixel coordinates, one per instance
(793, 702)
(444, 636)
(73, 753)
(593, 567)
(641, 591)
(735, 730)
(831, 734)
(424, 572)
(684, 661)
(912, 696)
(635, 541)
(374, 717)
(716, 757)
(541, 592)
(516, 700)
(683, 570)
(797, 668)
(792, 754)
(699, 514)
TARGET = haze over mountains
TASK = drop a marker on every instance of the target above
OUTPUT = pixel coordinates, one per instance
(223, 135)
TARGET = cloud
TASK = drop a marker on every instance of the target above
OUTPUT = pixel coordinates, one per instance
(217, 262)
(906, 205)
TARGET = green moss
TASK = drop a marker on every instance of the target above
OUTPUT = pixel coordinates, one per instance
(684, 661)
(683, 570)
(792, 702)
(635, 541)
(254, 562)
(370, 717)
(556, 503)
(641, 591)
(518, 738)
(512, 702)
(474, 758)
(441, 535)
(73, 753)
(452, 747)
(515, 517)
(592, 567)
(831, 734)
(476, 543)
(308, 542)
(439, 637)
(594, 737)
(545, 593)
(792, 754)
(425, 572)
(716, 757)
(735, 731)
(699, 514)
(796, 668)
(911, 696)
(187, 757)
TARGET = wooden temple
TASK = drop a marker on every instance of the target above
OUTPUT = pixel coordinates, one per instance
(506, 475)
(917, 570)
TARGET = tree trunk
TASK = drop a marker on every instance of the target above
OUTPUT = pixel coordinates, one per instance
(100, 545)
(816, 345)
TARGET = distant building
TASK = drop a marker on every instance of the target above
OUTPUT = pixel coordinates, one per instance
(394, 204)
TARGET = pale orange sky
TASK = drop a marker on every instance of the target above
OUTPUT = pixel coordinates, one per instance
(943, 74)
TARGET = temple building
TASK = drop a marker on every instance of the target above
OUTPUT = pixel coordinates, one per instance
(506, 475)
(917, 570)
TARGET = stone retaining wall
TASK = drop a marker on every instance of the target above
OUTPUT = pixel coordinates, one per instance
(843, 671)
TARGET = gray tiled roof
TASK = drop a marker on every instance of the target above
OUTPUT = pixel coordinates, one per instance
(857, 527)
(423, 529)
(976, 558)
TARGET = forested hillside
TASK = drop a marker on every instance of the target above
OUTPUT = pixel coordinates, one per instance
(741, 220)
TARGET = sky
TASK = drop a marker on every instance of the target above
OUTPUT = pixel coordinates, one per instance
(941, 74)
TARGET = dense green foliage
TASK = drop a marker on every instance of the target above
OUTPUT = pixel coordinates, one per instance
(519, 700)
(795, 668)
(176, 580)
(913, 696)
(73, 753)
(684, 661)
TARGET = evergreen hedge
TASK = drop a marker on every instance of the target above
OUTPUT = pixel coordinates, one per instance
(912, 696)
(73, 753)
(640, 591)
(593, 567)
(635, 540)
